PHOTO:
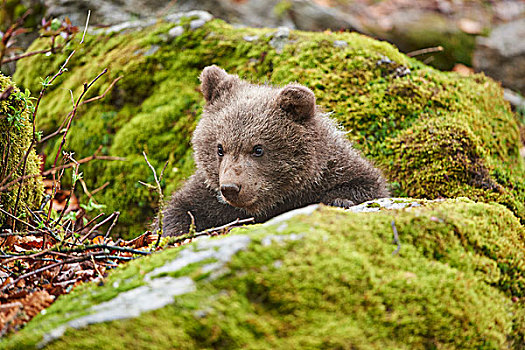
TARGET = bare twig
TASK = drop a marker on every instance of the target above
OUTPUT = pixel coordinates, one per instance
(61, 167)
(73, 113)
(211, 231)
(95, 267)
(48, 267)
(103, 186)
(81, 161)
(86, 191)
(70, 119)
(11, 32)
(112, 225)
(24, 256)
(44, 229)
(4, 186)
(104, 94)
(158, 189)
(428, 59)
(396, 238)
(68, 199)
(42, 269)
(191, 231)
(86, 27)
(7, 92)
(425, 51)
(92, 221)
(18, 219)
(32, 53)
(60, 129)
(33, 141)
(98, 225)
(103, 246)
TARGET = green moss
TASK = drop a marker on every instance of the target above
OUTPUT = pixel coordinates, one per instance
(338, 286)
(16, 133)
(282, 7)
(433, 133)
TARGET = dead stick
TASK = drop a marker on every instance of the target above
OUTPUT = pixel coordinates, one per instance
(112, 225)
(214, 229)
(104, 94)
(29, 54)
(424, 51)
(85, 27)
(96, 226)
(63, 141)
(48, 267)
(33, 141)
(103, 186)
(103, 246)
(21, 221)
(161, 195)
(396, 238)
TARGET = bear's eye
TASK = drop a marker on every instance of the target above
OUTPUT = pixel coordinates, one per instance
(220, 151)
(258, 151)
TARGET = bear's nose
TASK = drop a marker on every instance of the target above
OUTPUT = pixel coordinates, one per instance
(230, 191)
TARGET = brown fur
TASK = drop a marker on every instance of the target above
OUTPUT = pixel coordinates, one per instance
(306, 158)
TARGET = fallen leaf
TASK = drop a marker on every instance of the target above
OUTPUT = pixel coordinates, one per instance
(143, 240)
(98, 240)
(462, 70)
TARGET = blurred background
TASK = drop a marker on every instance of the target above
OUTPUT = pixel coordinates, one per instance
(459, 35)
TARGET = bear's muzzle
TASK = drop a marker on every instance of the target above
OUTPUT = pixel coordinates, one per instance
(230, 192)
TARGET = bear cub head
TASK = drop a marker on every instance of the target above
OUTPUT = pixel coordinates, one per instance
(258, 145)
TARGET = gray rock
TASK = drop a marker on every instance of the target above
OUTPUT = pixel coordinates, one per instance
(340, 43)
(124, 26)
(152, 50)
(268, 240)
(106, 12)
(197, 23)
(515, 99)
(175, 32)
(384, 203)
(309, 15)
(250, 38)
(221, 250)
(509, 10)
(290, 214)
(502, 55)
(202, 15)
(280, 39)
(156, 294)
(298, 14)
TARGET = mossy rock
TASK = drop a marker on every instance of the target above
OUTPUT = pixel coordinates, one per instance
(434, 134)
(16, 133)
(327, 279)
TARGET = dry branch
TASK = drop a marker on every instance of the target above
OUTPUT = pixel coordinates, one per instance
(210, 232)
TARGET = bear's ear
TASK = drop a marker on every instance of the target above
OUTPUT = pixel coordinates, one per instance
(298, 101)
(216, 82)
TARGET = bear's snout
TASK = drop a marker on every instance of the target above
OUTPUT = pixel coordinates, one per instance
(230, 191)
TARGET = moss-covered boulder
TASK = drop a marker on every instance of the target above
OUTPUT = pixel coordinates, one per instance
(434, 134)
(16, 134)
(327, 279)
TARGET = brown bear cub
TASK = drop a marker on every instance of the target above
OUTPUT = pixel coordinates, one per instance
(263, 150)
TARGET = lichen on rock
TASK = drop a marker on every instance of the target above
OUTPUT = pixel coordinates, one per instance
(16, 133)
